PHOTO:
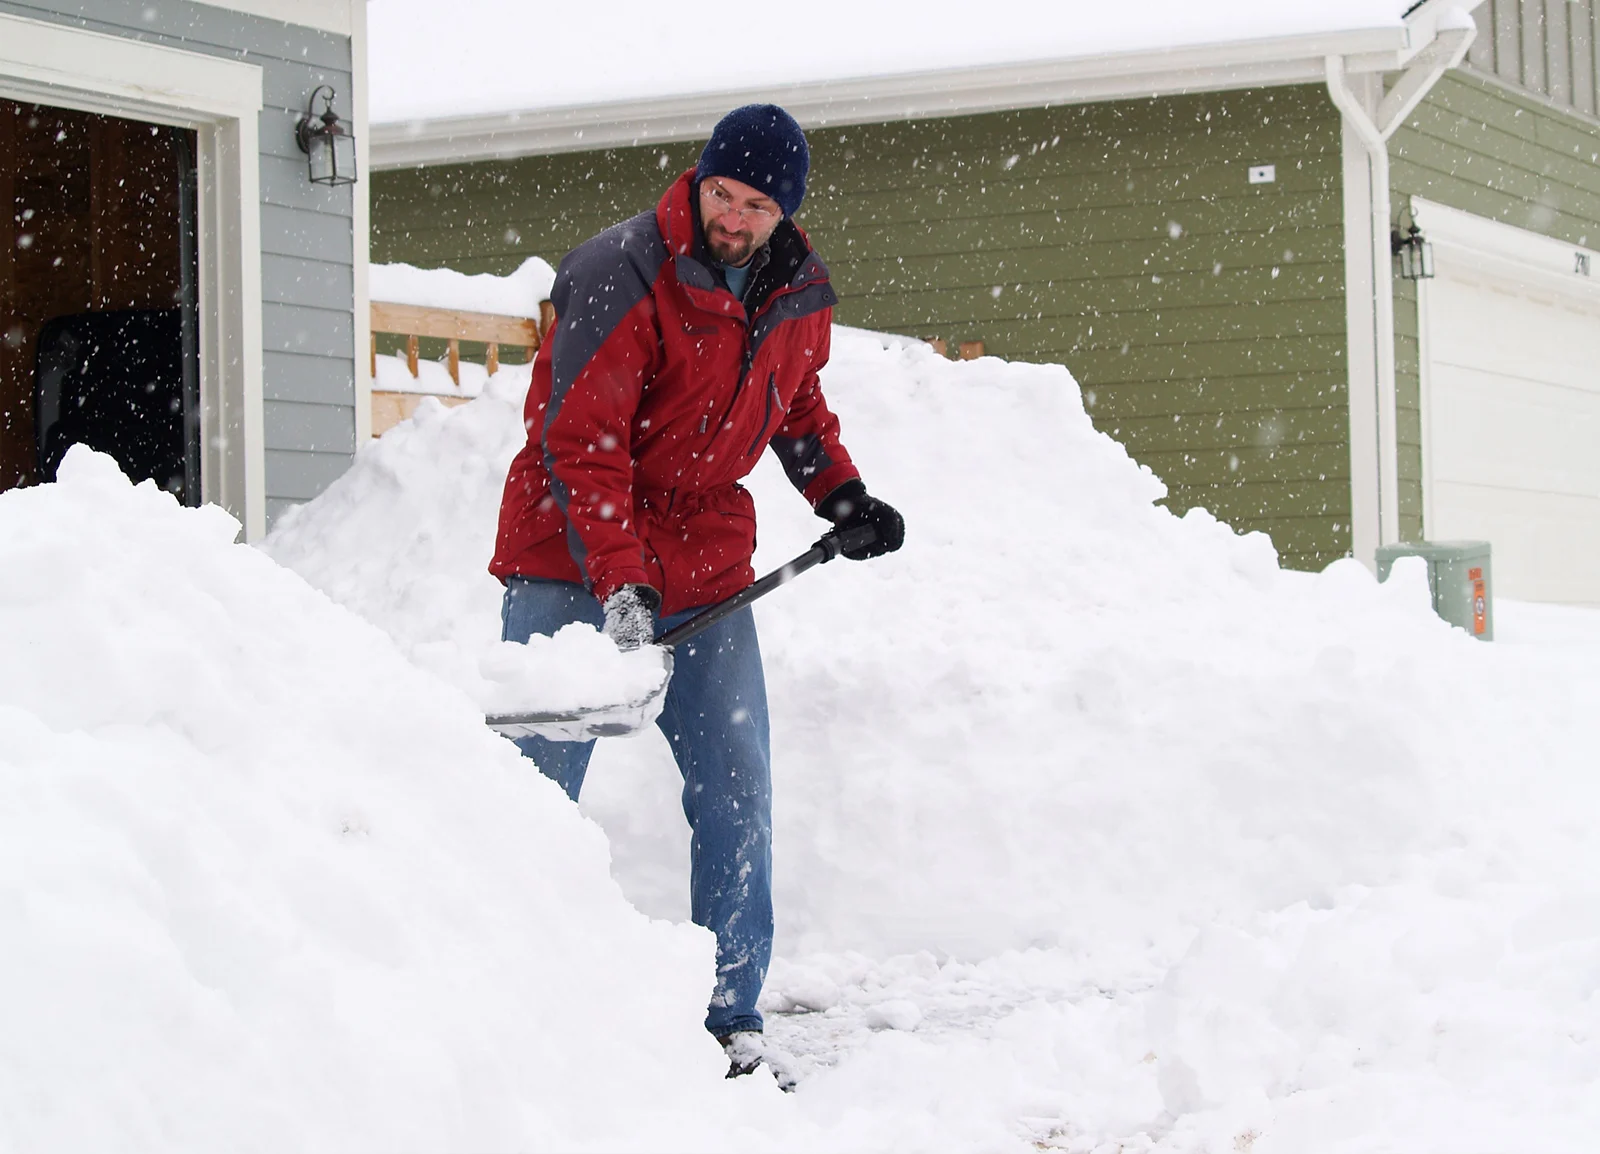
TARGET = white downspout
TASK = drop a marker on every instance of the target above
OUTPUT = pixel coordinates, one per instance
(1455, 34)
(1381, 314)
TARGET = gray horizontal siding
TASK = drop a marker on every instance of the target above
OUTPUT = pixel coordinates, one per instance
(309, 380)
(312, 428)
(306, 230)
(294, 281)
(302, 475)
(313, 235)
(307, 331)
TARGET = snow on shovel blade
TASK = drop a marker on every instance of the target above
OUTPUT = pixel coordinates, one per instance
(590, 722)
(630, 717)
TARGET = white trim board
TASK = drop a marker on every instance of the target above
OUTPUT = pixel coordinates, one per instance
(336, 16)
(221, 100)
(947, 92)
(361, 225)
(1476, 248)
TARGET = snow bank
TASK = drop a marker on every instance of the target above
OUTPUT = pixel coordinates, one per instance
(1281, 854)
(1050, 652)
(266, 886)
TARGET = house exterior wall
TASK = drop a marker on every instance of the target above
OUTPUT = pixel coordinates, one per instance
(306, 232)
(1203, 315)
(1477, 145)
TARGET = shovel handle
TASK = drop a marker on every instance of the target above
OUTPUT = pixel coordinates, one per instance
(825, 550)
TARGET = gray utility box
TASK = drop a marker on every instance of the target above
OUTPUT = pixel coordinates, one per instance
(1458, 577)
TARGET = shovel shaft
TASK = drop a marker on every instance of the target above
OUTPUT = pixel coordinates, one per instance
(831, 545)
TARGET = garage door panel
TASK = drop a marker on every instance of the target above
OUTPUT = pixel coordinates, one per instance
(1512, 418)
(1538, 547)
(1515, 433)
(1527, 339)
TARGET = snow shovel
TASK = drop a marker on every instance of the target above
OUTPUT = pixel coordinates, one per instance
(631, 716)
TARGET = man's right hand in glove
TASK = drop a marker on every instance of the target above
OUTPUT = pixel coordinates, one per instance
(850, 507)
(631, 616)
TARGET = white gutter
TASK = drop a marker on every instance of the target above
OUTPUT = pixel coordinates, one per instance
(1454, 32)
(865, 100)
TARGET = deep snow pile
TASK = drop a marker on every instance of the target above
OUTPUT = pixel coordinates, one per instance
(1293, 860)
(266, 886)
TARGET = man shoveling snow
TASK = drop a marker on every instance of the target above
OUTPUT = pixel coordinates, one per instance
(687, 339)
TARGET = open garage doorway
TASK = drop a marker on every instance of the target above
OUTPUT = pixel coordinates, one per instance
(98, 296)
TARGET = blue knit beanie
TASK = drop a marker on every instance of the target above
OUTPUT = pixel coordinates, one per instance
(760, 145)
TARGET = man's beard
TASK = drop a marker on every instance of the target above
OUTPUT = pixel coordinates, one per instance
(729, 248)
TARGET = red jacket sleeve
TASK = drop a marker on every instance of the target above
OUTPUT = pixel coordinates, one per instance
(604, 346)
(808, 440)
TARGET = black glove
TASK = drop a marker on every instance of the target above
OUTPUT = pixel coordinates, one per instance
(849, 507)
(631, 616)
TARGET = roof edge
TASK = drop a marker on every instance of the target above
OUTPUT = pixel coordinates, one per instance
(904, 96)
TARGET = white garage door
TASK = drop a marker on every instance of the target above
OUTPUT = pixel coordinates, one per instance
(1511, 412)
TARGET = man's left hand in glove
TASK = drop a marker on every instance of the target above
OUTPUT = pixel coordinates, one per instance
(850, 507)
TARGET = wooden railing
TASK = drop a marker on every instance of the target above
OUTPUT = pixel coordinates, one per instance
(453, 326)
(966, 350)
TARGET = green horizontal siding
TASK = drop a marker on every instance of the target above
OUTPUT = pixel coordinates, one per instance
(1482, 148)
(1202, 315)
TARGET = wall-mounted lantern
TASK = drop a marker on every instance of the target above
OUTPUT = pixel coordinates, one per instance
(330, 149)
(1415, 253)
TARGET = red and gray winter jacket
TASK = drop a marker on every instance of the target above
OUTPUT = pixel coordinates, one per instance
(654, 395)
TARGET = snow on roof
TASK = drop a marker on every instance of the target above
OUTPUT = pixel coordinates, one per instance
(471, 57)
(517, 295)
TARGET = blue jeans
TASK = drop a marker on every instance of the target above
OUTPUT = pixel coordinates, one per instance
(715, 719)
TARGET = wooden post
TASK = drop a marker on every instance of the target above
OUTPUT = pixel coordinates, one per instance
(455, 362)
(971, 350)
(547, 319)
(492, 360)
(374, 356)
(411, 356)
(938, 345)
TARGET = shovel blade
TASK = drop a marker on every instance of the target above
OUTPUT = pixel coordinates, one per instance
(615, 720)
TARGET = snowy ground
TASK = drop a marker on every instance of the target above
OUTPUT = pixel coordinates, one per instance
(1095, 830)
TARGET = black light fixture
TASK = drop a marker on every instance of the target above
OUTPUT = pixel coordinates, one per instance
(330, 149)
(1415, 253)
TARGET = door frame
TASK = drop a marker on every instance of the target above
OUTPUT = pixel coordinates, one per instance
(221, 100)
(1474, 248)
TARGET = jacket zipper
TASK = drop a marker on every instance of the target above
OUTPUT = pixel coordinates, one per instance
(738, 386)
(749, 356)
(772, 394)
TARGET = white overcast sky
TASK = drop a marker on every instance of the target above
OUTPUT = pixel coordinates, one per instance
(452, 57)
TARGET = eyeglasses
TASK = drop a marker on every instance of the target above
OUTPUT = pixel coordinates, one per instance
(721, 204)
